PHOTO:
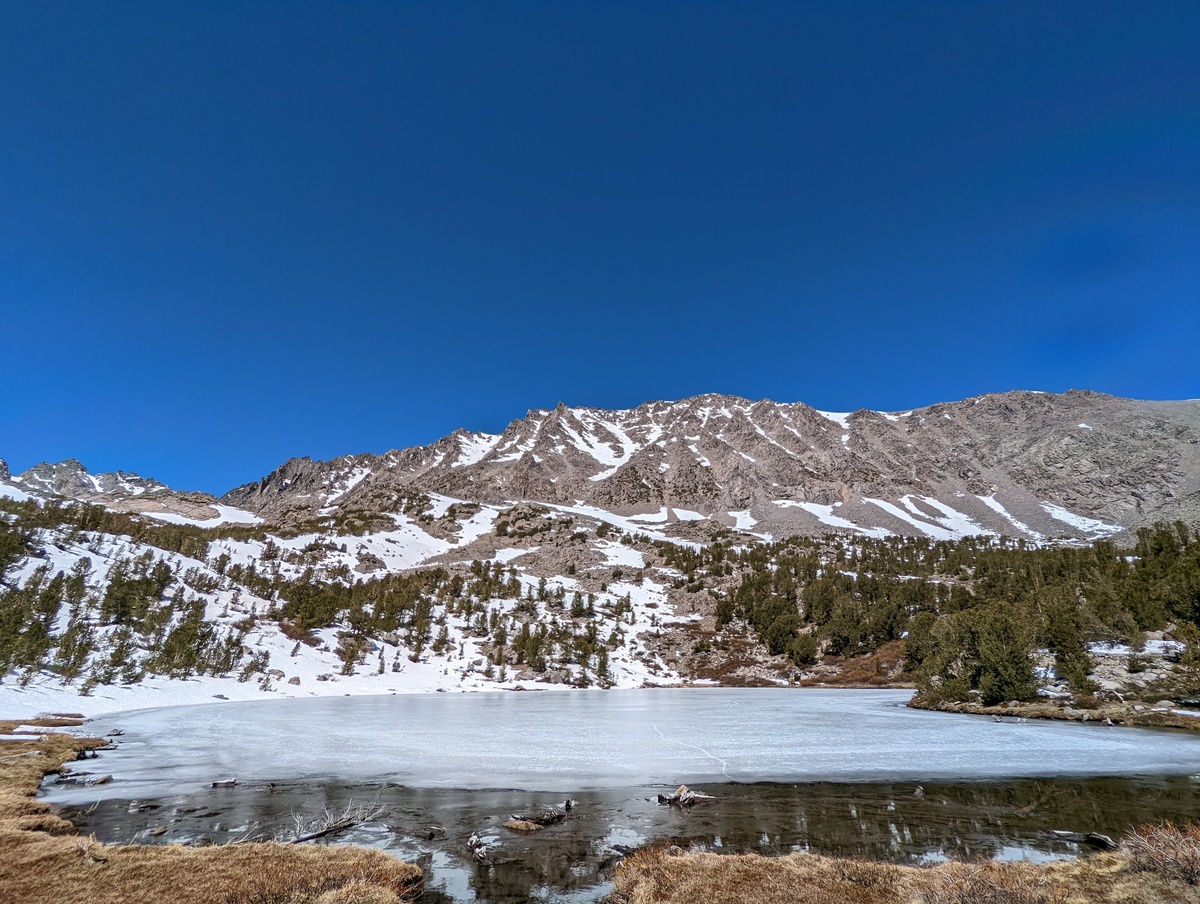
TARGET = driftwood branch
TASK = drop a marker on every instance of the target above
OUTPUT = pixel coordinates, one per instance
(328, 830)
(329, 822)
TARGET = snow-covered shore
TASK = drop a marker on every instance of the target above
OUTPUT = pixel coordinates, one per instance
(47, 695)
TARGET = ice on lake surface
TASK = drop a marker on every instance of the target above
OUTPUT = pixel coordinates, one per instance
(573, 741)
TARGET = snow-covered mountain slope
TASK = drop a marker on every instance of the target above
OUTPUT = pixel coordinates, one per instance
(1025, 464)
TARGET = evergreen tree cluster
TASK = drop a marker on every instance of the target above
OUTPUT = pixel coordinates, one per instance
(133, 628)
(971, 611)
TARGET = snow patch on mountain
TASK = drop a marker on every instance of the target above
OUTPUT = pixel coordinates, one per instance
(8, 491)
(994, 504)
(824, 514)
(1091, 526)
(916, 519)
(591, 444)
(626, 523)
(347, 483)
(841, 418)
(474, 448)
(616, 554)
(743, 520)
(663, 516)
(957, 523)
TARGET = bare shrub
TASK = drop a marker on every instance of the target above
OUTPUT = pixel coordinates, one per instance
(1166, 850)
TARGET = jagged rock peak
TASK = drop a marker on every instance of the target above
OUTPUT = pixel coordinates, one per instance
(71, 479)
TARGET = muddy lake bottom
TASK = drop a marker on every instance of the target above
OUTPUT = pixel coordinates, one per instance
(572, 861)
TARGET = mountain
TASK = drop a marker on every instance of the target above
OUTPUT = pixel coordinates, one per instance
(117, 491)
(1025, 464)
(587, 546)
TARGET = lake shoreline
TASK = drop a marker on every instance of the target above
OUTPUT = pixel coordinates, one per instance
(46, 694)
(198, 692)
(47, 861)
(1129, 715)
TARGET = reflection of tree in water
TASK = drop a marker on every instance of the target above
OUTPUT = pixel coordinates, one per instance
(886, 821)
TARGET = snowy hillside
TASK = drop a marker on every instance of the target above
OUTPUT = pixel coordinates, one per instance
(481, 599)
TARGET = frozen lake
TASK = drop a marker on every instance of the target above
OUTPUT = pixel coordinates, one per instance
(792, 770)
(567, 742)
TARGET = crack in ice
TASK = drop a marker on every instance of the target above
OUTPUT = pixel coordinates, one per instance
(724, 763)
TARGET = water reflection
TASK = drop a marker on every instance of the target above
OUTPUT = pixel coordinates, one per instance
(569, 861)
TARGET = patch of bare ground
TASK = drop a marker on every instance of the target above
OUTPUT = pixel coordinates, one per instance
(882, 668)
(44, 861)
(656, 876)
(734, 660)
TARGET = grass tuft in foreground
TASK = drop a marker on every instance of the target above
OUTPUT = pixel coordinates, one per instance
(657, 876)
(989, 883)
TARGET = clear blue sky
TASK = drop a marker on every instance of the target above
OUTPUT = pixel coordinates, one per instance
(231, 233)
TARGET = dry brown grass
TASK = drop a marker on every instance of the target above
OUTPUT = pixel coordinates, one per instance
(654, 876)
(989, 883)
(42, 860)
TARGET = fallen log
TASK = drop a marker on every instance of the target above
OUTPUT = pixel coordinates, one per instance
(549, 818)
(1093, 839)
(685, 797)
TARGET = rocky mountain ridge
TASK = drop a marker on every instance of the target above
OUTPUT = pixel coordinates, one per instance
(1027, 464)
(1021, 463)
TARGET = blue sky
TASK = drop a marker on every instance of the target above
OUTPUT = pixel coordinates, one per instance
(231, 233)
